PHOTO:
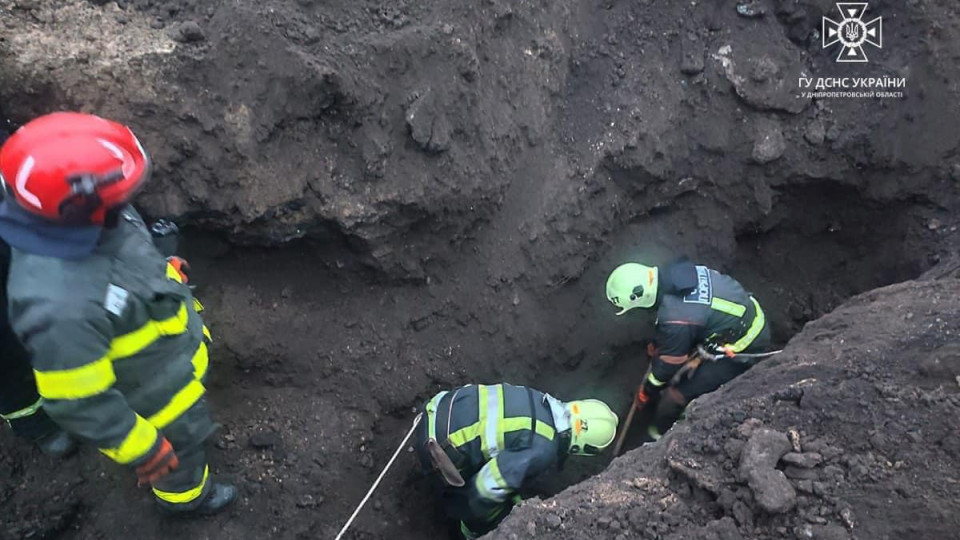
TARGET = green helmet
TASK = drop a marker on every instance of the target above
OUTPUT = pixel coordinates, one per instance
(593, 426)
(631, 286)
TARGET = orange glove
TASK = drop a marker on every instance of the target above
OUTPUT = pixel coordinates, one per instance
(159, 465)
(642, 398)
(181, 266)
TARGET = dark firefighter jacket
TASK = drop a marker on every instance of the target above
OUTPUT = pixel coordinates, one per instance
(700, 306)
(505, 435)
(117, 345)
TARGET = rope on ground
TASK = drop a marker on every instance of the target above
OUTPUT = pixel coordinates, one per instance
(416, 422)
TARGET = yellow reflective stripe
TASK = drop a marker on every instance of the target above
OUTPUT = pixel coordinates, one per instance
(137, 443)
(483, 420)
(655, 381)
(465, 435)
(173, 274)
(134, 342)
(181, 401)
(432, 415)
(759, 320)
(206, 334)
(523, 422)
(490, 483)
(654, 433)
(728, 307)
(77, 383)
(501, 433)
(200, 361)
(97, 377)
(494, 414)
(24, 412)
(184, 497)
(197, 306)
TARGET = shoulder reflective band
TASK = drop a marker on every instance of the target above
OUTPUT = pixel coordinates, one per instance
(759, 320)
(24, 412)
(655, 381)
(728, 307)
(432, 415)
(184, 497)
(136, 444)
(77, 383)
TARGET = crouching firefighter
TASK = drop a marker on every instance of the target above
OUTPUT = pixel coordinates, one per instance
(118, 349)
(484, 443)
(709, 331)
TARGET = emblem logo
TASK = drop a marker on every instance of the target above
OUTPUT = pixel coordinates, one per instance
(852, 32)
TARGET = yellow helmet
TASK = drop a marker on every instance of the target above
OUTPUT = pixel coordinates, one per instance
(633, 285)
(593, 426)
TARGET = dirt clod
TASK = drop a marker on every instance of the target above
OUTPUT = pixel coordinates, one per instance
(770, 144)
(806, 460)
(763, 451)
(186, 32)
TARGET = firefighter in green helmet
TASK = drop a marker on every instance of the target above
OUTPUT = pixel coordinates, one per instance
(698, 309)
(483, 443)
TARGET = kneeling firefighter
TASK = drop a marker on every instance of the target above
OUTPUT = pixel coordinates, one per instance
(119, 351)
(484, 443)
(709, 331)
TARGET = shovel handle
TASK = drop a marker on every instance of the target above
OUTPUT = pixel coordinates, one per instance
(626, 428)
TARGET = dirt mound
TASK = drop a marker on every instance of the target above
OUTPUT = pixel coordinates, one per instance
(852, 432)
(402, 128)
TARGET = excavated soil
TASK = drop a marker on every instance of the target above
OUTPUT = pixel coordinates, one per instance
(383, 199)
(863, 406)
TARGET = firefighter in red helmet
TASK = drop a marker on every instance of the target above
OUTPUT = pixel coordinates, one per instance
(118, 348)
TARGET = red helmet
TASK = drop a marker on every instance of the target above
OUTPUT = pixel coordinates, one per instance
(73, 167)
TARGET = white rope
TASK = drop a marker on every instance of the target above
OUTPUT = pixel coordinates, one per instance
(416, 422)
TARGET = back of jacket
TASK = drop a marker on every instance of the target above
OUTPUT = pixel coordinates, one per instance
(718, 310)
(482, 421)
(116, 342)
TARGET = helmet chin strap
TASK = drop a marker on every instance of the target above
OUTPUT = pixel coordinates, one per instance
(84, 199)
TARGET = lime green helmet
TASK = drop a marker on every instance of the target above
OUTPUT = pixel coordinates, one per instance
(633, 285)
(593, 426)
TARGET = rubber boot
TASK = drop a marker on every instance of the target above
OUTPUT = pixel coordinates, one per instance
(220, 497)
(57, 444)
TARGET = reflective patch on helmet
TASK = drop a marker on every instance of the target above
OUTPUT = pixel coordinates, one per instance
(128, 164)
(22, 176)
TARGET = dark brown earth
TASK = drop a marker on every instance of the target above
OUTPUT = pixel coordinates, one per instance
(383, 199)
(872, 394)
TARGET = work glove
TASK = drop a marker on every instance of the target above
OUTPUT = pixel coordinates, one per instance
(642, 397)
(163, 460)
(652, 351)
(648, 393)
(181, 266)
